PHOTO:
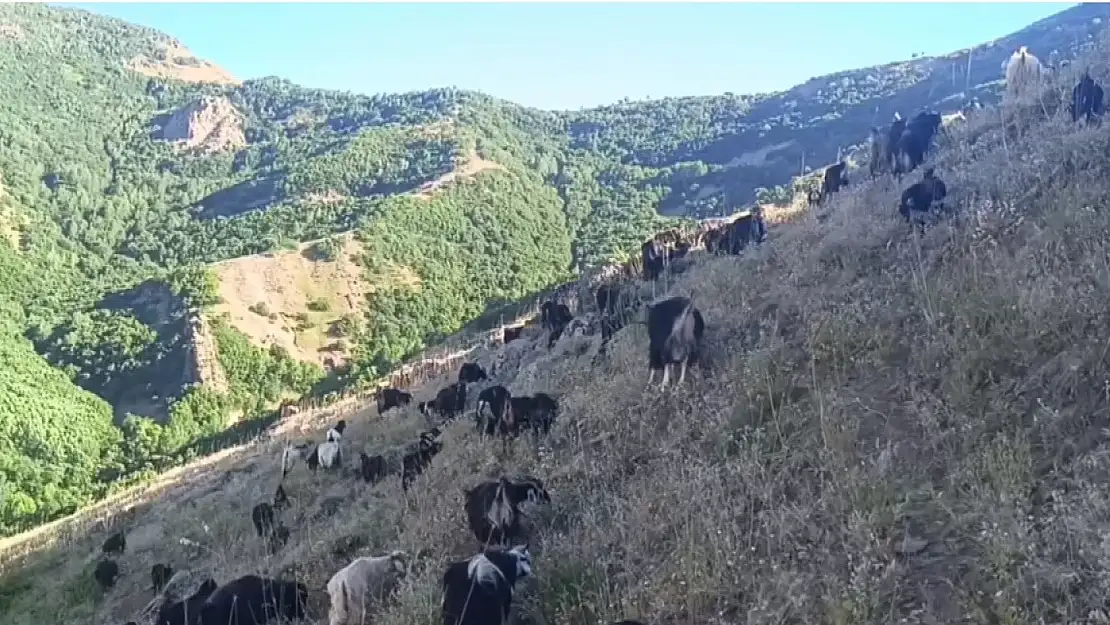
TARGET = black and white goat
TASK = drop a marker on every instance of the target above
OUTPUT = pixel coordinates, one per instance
(493, 508)
(675, 329)
(479, 591)
(496, 398)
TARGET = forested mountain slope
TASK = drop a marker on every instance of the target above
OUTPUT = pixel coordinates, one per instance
(127, 166)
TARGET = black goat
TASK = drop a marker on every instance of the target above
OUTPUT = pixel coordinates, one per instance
(479, 591)
(389, 398)
(262, 516)
(254, 600)
(106, 573)
(492, 508)
(919, 199)
(915, 142)
(744, 231)
(536, 412)
(449, 403)
(413, 464)
(187, 611)
(160, 575)
(834, 179)
(675, 329)
(372, 468)
(471, 372)
(555, 318)
(1086, 100)
(116, 543)
(508, 335)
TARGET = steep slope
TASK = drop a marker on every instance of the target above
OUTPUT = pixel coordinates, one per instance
(910, 428)
(127, 173)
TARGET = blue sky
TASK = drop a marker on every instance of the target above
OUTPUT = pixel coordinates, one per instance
(571, 55)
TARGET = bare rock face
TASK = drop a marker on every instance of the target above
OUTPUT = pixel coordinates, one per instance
(207, 126)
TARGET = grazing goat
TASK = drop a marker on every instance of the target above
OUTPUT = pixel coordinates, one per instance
(186, 611)
(555, 318)
(479, 591)
(361, 583)
(390, 398)
(116, 543)
(160, 575)
(1024, 74)
(329, 455)
(1086, 100)
(450, 402)
(254, 600)
(106, 573)
(675, 329)
(335, 434)
(536, 412)
(915, 142)
(918, 200)
(607, 296)
(508, 335)
(746, 230)
(372, 468)
(413, 464)
(304, 451)
(835, 178)
(497, 399)
(654, 257)
(471, 372)
(262, 516)
(492, 508)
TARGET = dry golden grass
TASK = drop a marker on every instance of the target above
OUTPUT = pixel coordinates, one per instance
(176, 61)
(891, 429)
(284, 283)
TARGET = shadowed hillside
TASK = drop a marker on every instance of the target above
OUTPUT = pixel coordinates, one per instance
(132, 205)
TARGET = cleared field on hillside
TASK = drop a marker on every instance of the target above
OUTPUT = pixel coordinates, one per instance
(294, 299)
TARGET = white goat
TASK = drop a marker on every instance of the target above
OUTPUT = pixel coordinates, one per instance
(1024, 75)
(361, 583)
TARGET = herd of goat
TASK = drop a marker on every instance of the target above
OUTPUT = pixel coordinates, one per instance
(476, 591)
(479, 590)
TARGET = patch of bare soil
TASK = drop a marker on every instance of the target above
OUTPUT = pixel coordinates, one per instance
(470, 166)
(289, 299)
(209, 125)
(173, 60)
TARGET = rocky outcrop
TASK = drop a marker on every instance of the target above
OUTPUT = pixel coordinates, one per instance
(202, 357)
(209, 125)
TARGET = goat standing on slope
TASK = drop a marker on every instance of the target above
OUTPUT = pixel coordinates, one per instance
(675, 329)
(361, 583)
(493, 508)
(479, 591)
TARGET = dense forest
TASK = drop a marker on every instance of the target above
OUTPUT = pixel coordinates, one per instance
(106, 225)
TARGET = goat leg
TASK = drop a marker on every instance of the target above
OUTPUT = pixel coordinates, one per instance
(651, 376)
(681, 372)
(666, 376)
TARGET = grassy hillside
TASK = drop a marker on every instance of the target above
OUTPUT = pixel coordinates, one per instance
(129, 167)
(890, 428)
